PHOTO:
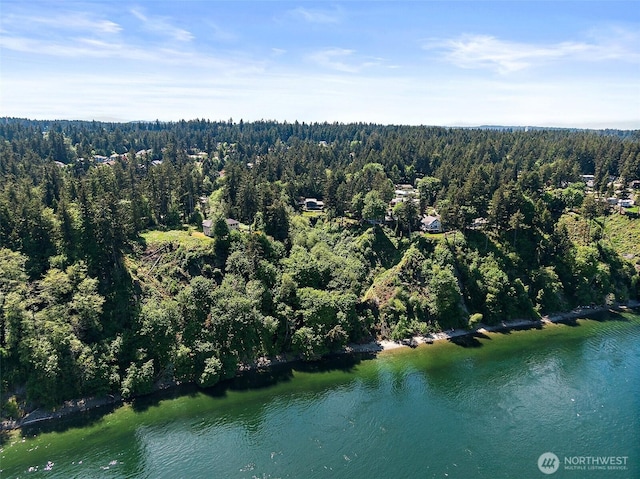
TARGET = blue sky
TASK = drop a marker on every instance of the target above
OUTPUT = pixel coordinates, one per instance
(550, 63)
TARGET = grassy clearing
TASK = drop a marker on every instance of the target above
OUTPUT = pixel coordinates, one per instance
(620, 231)
(634, 210)
(623, 233)
(171, 259)
(313, 214)
(180, 236)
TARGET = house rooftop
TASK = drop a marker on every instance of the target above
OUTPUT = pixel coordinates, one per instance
(428, 219)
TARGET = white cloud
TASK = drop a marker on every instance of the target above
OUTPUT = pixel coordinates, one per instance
(114, 54)
(220, 33)
(317, 15)
(84, 65)
(169, 95)
(162, 26)
(85, 48)
(69, 21)
(486, 51)
(342, 60)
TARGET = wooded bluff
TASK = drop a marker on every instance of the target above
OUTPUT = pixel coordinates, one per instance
(315, 237)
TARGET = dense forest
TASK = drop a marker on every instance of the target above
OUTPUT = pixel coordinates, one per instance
(107, 283)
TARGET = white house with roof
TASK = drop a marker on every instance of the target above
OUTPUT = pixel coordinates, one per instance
(312, 204)
(479, 223)
(404, 190)
(431, 224)
(588, 179)
(206, 227)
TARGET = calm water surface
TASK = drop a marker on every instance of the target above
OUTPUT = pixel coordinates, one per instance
(488, 408)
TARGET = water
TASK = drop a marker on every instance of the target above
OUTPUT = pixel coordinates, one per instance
(486, 409)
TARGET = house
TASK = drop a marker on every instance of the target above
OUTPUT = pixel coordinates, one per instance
(311, 204)
(625, 203)
(403, 191)
(635, 184)
(612, 201)
(479, 223)
(141, 153)
(588, 179)
(206, 227)
(431, 224)
(232, 224)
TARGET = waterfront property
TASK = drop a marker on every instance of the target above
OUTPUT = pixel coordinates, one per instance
(445, 409)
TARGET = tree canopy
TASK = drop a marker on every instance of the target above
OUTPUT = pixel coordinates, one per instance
(107, 283)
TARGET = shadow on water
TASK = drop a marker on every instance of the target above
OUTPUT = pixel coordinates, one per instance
(74, 420)
(262, 378)
(610, 315)
(471, 340)
(523, 327)
(255, 379)
(571, 322)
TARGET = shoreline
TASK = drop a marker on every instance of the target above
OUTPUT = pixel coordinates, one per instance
(373, 347)
(555, 318)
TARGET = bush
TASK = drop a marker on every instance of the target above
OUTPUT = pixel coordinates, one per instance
(211, 374)
(138, 380)
(11, 409)
(474, 320)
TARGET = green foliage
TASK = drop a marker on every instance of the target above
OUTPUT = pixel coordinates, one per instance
(102, 288)
(13, 289)
(138, 380)
(11, 409)
(211, 373)
(474, 320)
(428, 187)
(406, 216)
(308, 344)
(157, 330)
(548, 290)
(444, 295)
(329, 315)
(374, 207)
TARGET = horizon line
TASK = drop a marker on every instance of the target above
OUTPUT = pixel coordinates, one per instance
(336, 122)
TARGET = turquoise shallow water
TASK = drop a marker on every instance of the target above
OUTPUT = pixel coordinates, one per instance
(488, 408)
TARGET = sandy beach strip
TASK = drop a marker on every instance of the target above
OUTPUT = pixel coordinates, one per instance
(583, 312)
